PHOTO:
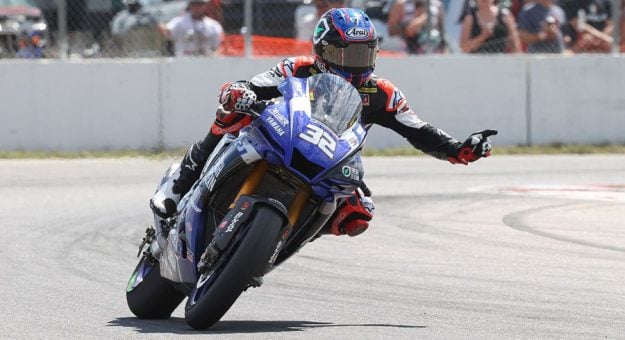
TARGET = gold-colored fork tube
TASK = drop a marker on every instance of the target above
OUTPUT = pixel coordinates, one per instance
(298, 205)
(252, 180)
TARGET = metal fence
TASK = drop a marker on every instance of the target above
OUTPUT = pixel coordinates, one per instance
(156, 28)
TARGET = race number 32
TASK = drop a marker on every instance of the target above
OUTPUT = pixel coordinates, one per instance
(320, 138)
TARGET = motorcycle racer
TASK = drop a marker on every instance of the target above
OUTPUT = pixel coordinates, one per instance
(345, 44)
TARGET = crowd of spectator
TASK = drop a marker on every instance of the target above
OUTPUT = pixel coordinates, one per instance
(491, 26)
(485, 26)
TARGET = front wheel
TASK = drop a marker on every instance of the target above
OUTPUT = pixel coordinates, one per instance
(150, 296)
(247, 257)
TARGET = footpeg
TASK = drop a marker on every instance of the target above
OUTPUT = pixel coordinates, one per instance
(150, 234)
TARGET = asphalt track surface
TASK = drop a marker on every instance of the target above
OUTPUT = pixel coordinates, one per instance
(454, 252)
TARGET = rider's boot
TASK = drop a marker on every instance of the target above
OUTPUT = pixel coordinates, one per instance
(165, 201)
(352, 216)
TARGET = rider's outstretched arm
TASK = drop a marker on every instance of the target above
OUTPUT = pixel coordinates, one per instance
(394, 113)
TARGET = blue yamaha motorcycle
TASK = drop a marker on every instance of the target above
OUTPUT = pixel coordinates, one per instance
(261, 197)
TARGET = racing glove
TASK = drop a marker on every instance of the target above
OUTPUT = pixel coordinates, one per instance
(236, 97)
(475, 147)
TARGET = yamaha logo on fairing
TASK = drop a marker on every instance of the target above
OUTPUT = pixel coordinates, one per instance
(357, 33)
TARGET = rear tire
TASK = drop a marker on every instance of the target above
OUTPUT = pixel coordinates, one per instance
(154, 297)
(250, 258)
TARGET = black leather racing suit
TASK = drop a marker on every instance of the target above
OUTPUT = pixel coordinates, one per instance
(383, 104)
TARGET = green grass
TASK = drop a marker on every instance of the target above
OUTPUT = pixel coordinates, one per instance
(552, 149)
(151, 154)
(404, 151)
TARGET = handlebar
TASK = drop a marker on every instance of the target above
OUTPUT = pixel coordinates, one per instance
(365, 189)
(256, 108)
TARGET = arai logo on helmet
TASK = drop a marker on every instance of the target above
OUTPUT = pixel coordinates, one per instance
(357, 33)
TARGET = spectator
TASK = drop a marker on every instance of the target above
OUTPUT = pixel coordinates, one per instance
(214, 11)
(31, 45)
(488, 29)
(539, 27)
(193, 33)
(622, 34)
(515, 7)
(409, 20)
(589, 27)
(306, 17)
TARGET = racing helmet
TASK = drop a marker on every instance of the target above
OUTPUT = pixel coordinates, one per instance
(345, 43)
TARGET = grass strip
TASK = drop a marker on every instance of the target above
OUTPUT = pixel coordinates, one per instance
(552, 149)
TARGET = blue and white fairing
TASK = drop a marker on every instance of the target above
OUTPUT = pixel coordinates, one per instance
(315, 132)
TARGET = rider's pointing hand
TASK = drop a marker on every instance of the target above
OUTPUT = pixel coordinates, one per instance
(475, 147)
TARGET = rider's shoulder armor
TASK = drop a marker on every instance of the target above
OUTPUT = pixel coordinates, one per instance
(379, 94)
(301, 67)
(395, 100)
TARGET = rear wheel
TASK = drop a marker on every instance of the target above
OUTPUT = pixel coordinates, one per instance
(248, 256)
(150, 296)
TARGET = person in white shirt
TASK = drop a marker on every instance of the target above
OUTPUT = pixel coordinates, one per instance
(307, 16)
(193, 33)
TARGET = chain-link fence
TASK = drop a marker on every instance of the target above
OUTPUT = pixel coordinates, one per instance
(162, 28)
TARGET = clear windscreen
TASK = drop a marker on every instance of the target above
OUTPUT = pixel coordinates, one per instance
(334, 102)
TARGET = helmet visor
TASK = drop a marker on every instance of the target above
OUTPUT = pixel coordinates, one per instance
(352, 55)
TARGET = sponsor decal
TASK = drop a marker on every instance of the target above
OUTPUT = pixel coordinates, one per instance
(193, 164)
(276, 126)
(276, 73)
(230, 129)
(365, 99)
(274, 256)
(245, 205)
(280, 118)
(214, 173)
(353, 141)
(288, 66)
(368, 90)
(247, 152)
(347, 171)
(350, 172)
(233, 224)
(396, 99)
(359, 130)
(357, 33)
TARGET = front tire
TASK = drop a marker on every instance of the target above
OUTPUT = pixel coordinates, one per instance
(248, 257)
(149, 296)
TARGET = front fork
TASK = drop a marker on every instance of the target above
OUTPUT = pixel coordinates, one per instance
(254, 178)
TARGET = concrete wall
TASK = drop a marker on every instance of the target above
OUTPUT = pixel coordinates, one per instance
(78, 106)
(578, 100)
(103, 105)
